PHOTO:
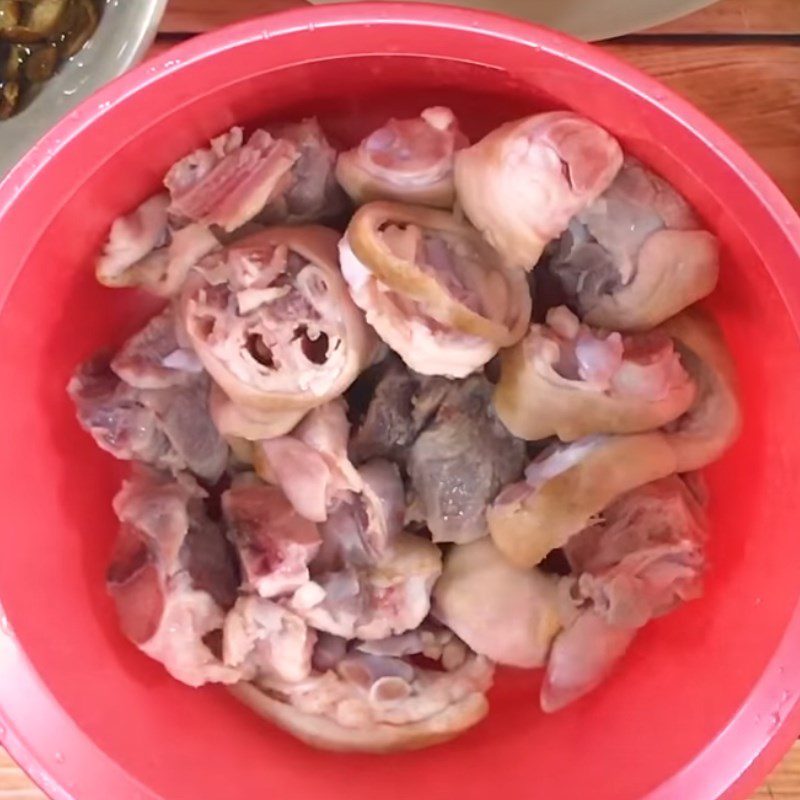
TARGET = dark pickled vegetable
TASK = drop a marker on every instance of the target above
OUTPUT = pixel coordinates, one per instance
(85, 18)
(36, 36)
(9, 99)
(45, 16)
(41, 64)
(17, 54)
(9, 14)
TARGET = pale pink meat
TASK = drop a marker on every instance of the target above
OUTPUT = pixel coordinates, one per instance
(524, 181)
(153, 358)
(639, 365)
(363, 507)
(272, 322)
(311, 463)
(368, 702)
(313, 193)
(302, 472)
(365, 598)
(636, 256)
(570, 380)
(231, 182)
(582, 657)
(409, 160)
(132, 237)
(466, 271)
(361, 524)
(275, 543)
(262, 638)
(640, 561)
(172, 575)
(151, 249)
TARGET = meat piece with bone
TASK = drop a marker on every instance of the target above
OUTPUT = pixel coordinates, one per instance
(231, 181)
(237, 423)
(369, 598)
(172, 575)
(150, 404)
(312, 194)
(566, 486)
(275, 544)
(461, 460)
(523, 182)
(272, 322)
(407, 160)
(155, 358)
(148, 249)
(432, 288)
(714, 420)
(570, 380)
(503, 612)
(312, 467)
(370, 703)
(636, 256)
(262, 638)
(643, 558)
(310, 464)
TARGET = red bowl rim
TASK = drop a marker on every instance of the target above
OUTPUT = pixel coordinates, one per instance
(33, 724)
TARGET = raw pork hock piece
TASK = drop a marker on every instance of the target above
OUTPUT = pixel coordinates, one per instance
(407, 160)
(434, 291)
(569, 380)
(523, 182)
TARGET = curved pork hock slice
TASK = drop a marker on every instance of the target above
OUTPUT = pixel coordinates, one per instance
(236, 422)
(568, 380)
(644, 558)
(567, 485)
(408, 160)
(714, 421)
(374, 703)
(432, 288)
(523, 182)
(172, 575)
(272, 321)
(636, 256)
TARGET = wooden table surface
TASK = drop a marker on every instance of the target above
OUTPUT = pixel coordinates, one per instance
(738, 61)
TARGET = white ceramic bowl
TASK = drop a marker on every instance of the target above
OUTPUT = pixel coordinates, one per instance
(126, 30)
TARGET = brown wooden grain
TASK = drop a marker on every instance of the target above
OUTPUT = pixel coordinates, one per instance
(739, 16)
(751, 89)
(724, 17)
(784, 783)
(14, 783)
(196, 16)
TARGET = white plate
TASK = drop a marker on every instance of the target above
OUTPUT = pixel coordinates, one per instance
(125, 32)
(586, 19)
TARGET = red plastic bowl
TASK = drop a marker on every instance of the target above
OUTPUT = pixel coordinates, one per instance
(708, 698)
